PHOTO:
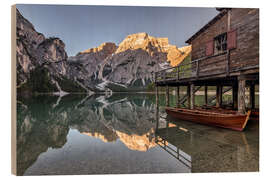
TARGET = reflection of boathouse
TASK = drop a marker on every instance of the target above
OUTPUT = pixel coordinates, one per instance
(206, 149)
(225, 53)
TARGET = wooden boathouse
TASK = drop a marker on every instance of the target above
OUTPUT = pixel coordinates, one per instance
(225, 52)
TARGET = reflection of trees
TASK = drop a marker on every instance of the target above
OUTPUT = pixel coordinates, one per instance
(44, 122)
(38, 128)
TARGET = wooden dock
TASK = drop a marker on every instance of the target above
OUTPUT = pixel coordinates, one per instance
(190, 75)
(221, 56)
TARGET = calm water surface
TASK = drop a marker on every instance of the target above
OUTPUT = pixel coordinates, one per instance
(100, 134)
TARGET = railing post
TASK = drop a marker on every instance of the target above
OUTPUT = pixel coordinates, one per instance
(197, 68)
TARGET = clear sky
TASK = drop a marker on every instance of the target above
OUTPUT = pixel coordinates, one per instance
(82, 27)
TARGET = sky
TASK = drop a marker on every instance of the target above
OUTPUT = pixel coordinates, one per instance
(82, 27)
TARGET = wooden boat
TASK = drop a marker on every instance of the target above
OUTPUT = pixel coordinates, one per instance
(227, 119)
(254, 114)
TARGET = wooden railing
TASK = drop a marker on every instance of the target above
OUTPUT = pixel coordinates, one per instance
(175, 152)
(203, 67)
(190, 70)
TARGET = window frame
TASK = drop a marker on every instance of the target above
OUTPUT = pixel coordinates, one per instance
(220, 43)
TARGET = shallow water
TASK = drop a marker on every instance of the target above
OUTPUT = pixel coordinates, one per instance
(100, 134)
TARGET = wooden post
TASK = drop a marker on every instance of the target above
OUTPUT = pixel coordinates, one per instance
(218, 96)
(228, 50)
(177, 97)
(157, 109)
(252, 95)
(228, 63)
(241, 96)
(192, 99)
(205, 95)
(157, 97)
(235, 96)
(167, 96)
(188, 96)
(197, 69)
(177, 72)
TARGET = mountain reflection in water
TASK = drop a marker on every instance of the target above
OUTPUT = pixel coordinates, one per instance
(98, 134)
(47, 124)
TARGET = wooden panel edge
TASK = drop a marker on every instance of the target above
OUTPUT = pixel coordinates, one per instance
(13, 93)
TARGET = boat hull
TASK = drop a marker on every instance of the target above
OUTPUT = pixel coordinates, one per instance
(231, 121)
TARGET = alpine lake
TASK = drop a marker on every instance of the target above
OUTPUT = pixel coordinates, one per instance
(122, 133)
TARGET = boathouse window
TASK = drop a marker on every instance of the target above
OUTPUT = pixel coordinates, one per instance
(220, 43)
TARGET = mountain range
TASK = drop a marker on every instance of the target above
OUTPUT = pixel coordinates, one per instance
(44, 67)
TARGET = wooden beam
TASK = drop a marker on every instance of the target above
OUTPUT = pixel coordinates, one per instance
(205, 95)
(228, 51)
(235, 96)
(228, 62)
(249, 77)
(157, 96)
(192, 98)
(167, 96)
(188, 96)
(177, 97)
(218, 96)
(157, 109)
(241, 96)
(252, 96)
(229, 20)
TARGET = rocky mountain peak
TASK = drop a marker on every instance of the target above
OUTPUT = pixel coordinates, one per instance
(145, 42)
(107, 48)
(153, 46)
(27, 33)
(176, 55)
(53, 49)
(43, 64)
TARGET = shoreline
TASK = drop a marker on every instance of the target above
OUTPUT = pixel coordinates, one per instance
(200, 93)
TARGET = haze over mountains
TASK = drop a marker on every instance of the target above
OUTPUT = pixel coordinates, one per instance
(43, 65)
